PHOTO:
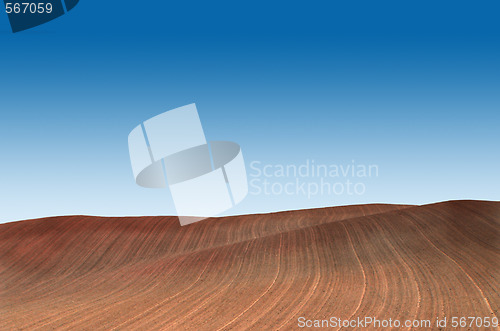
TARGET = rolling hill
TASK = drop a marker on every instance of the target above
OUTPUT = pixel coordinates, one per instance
(265, 271)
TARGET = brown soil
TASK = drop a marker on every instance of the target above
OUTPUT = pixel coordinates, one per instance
(258, 271)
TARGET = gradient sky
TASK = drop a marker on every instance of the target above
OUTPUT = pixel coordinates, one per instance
(413, 87)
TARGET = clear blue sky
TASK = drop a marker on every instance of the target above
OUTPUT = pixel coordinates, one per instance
(410, 86)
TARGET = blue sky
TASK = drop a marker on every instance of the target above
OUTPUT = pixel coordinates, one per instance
(410, 87)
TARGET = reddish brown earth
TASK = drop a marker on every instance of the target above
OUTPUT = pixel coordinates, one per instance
(257, 271)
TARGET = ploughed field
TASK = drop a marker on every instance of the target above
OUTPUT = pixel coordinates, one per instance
(265, 271)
